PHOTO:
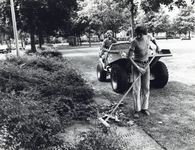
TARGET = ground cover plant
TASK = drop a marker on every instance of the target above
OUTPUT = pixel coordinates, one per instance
(40, 96)
(95, 139)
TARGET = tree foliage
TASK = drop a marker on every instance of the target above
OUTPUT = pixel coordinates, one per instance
(184, 22)
(40, 17)
(6, 30)
(154, 5)
(97, 17)
(149, 7)
(64, 18)
(155, 22)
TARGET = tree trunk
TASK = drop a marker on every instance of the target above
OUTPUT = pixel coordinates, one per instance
(189, 35)
(89, 39)
(132, 18)
(48, 39)
(99, 37)
(80, 40)
(166, 35)
(8, 43)
(32, 39)
(40, 40)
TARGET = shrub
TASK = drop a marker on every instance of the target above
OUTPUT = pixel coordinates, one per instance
(51, 54)
(96, 140)
(39, 98)
(29, 124)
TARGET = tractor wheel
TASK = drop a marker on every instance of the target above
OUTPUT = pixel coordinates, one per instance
(161, 75)
(101, 73)
(119, 78)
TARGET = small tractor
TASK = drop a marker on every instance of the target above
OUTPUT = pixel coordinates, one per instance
(119, 68)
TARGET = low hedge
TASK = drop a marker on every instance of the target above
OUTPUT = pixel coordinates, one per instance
(95, 139)
(40, 96)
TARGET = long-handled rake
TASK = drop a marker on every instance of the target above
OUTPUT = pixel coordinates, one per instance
(108, 116)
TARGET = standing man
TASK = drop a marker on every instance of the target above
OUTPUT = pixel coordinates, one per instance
(106, 45)
(139, 57)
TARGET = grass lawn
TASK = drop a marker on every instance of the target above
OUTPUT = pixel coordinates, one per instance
(172, 120)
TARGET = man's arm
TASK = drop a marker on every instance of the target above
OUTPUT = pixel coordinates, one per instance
(114, 40)
(103, 47)
(154, 42)
(157, 47)
(130, 57)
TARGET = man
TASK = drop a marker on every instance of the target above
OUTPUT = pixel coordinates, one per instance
(106, 45)
(139, 57)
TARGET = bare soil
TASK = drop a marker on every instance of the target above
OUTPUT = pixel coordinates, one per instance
(172, 120)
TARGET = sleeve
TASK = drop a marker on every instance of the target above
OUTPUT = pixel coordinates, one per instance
(103, 44)
(114, 40)
(150, 37)
(132, 46)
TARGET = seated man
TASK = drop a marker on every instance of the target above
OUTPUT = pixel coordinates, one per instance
(106, 45)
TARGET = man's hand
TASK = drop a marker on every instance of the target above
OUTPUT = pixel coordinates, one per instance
(105, 50)
(157, 49)
(141, 70)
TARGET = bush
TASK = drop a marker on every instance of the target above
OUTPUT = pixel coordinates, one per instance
(97, 140)
(51, 54)
(39, 98)
(29, 124)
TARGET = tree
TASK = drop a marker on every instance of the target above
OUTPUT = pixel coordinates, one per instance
(6, 29)
(42, 17)
(155, 22)
(113, 17)
(99, 16)
(83, 21)
(132, 7)
(154, 5)
(148, 6)
(185, 21)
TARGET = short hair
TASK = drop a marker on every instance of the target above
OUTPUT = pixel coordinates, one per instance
(109, 32)
(141, 29)
(105, 35)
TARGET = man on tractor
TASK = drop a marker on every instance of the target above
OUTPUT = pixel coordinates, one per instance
(109, 39)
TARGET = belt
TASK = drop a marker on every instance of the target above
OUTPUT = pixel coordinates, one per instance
(142, 62)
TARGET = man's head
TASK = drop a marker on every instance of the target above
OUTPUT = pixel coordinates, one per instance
(109, 33)
(140, 30)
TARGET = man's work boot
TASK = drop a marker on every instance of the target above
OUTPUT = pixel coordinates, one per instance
(136, 114)
(145, 112)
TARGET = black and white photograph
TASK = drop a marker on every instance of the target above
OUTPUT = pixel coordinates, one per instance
(97, 75)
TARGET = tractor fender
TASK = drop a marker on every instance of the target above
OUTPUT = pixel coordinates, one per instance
(122, 62)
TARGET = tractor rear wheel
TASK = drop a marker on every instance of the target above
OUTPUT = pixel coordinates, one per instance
(161, 75)
(101, 73)
(119, 78)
